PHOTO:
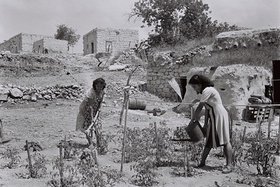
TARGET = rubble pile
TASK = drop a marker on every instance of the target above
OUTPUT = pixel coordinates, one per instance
(28, 58)
(170, 57)
(116, 89)
(14, 93)
(128, 57)
(29, 65)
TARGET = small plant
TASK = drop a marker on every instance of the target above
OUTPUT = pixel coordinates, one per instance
(145, 172)
(85, 171)
(238, 148)
(39, 168)
(261, 154)
(70, 179)
(151, 141)
(12, 154)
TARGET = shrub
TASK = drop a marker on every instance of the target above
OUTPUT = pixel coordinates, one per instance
(12, 155)
(261, 154)
(39, 168)
(145, 172)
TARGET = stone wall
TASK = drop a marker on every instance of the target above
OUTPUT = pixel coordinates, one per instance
(50, 45)
(110, 40)
(13, 45)
(160, 70)
(89, 39)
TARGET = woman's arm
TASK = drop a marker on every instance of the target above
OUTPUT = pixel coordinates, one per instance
(197, 111)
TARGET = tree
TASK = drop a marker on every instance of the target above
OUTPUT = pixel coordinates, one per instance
(175, 18)
(163, 15)
(64, 32)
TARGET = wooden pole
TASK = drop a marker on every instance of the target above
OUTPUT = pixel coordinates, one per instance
(185, 157)
(125, 106)
(270, 119)
(93, 153)
(61, 166)
(157, 143)
(29, 160)
(1, 130)
(260, 130)
(244, 134)
(278, 148)
(124, 134)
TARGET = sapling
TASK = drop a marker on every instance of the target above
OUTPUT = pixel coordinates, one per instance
(12, 154)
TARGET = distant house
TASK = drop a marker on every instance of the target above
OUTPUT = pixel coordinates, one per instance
(109, 40)
(50, 45)
(23, 42)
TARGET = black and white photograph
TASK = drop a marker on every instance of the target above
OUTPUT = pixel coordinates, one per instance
(151, 93)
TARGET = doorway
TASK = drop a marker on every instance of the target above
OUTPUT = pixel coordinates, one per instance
(109, 46)
(182, 81)
(92, 47)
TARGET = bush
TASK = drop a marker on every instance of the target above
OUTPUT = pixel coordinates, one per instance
(146, 175)
(39, 168)
(142, 143)
(85, 171)
(261, 155)
(12, 155)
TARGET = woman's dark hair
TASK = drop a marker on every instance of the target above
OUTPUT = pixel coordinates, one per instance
(98, 81)
(201, 79)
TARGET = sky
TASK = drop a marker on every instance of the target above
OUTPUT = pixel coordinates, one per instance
(43, 16)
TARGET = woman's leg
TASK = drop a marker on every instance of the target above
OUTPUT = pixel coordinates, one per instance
(205, 154)
(228, 153)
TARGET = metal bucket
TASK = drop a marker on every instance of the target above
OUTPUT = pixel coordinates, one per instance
(194, 131)
(135, 104)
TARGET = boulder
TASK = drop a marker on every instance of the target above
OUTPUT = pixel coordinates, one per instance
(33, 98)
(47, 97)
(4, 97)
(26, 97)
(118, 67)
(16, 93)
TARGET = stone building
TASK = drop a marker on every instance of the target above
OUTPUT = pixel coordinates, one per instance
(50, 45)
(21, 43)
(109, 40)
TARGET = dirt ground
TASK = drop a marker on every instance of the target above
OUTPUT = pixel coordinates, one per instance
(48, 122)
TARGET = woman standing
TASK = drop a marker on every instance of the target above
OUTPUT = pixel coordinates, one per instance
(89, 107)
(216, 119)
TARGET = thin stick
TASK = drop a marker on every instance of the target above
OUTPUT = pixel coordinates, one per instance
(278, 148)
(157, 143)
(29, 160)
(1, 131)
(124, 135)
(61, 166)
(244, 134)
(124, 103)
(94, 156)
(260, 129)
(125, 106)
(270, 119)
(185, 155)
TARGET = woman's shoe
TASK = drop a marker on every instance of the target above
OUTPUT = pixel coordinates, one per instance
(227, 169)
